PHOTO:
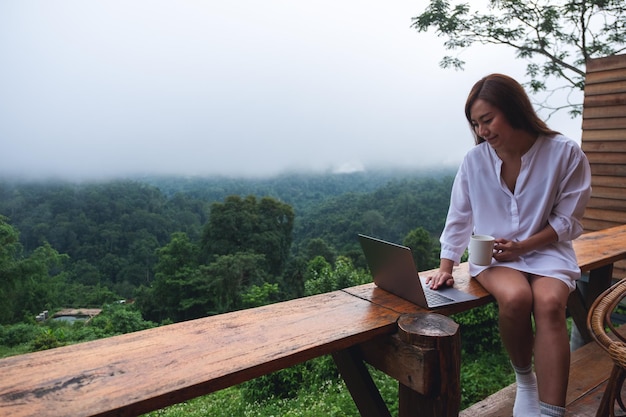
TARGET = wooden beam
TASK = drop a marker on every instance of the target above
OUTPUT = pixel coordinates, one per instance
(360, 383)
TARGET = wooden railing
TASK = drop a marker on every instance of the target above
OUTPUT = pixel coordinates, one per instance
(135, 373)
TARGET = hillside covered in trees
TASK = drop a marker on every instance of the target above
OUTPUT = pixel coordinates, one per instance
(188, 247)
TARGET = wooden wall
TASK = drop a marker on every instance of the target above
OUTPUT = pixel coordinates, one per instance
(604, 142)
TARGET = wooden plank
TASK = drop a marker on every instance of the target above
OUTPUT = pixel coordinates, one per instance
(606, 157)
(611, 146)
(499, 404)
(138, 372)
(612, 170)
(608, 123)
(613, 193)
(587, 406)
(592, 225)
(596, 249)
(605, 111)
(606, 88)
(606, 75)
(603, 135)
(609, 99)
(604, 181)
(605, 204)
(606, 63)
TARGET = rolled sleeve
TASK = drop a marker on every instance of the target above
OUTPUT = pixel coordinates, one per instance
(573, 196)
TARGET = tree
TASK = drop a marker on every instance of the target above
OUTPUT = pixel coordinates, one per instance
(557, 37)
(422, 247)
(10, 250)
(248, 225)
(28, 284)
(321, 277)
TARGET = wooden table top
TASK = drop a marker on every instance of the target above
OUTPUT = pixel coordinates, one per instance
(138, 372)
(601, 248)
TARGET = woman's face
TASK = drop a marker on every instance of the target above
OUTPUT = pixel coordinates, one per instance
(490, 123)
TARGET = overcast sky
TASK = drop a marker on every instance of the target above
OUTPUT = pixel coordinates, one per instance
(92, 89)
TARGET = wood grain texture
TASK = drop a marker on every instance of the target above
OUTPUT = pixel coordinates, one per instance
(138, 372)
(596, 249)
(604, 139)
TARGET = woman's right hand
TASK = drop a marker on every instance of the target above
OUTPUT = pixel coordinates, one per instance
(439, 279)
(443, 277)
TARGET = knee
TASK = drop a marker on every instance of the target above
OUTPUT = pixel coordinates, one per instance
(515, 304)
(549, 306)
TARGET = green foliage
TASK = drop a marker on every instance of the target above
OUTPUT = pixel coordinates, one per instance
(290, 382)
(184, 289)
(484, 375)
(17, 334)
(479, 378)
(557, 38)
(479, 329)
(29, 284)
(319, 247)
(331, 399)
(114, 319)
(249, 225)
(120, 319)
(109, 230)
(401, 206)
(48, 339)
(322, 277)
(256, 296)
(424, 248)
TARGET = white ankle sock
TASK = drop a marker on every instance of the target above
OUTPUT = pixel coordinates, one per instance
(527, 396)
(548, 410)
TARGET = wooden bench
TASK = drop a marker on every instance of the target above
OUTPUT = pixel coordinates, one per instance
(132, 374)
(589, 371)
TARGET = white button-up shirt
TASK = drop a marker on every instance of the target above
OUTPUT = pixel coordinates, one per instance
(553, 187)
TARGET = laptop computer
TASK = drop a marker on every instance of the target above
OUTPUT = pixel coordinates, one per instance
(394, 270)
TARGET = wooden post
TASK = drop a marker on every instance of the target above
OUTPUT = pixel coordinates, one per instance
(360, 383)
(439, 337)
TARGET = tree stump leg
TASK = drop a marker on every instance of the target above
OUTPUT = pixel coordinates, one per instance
(440, 336)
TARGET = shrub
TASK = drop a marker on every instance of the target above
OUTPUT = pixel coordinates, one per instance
(17, 334)
(479, 329)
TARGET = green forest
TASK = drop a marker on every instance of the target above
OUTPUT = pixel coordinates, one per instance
(157, 250)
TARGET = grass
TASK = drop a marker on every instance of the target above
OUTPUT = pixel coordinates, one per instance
(331, 399)
(480, 377)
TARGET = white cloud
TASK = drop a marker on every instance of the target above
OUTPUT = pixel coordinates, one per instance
(237, 88)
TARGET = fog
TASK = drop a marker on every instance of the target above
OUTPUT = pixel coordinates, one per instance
(104, 89)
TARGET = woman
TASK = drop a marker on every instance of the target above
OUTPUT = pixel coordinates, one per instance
(528, 186)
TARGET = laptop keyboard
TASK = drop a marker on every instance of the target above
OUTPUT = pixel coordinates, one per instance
(433, 297)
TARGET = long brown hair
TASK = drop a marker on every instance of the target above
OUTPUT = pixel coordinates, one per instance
(509, 97)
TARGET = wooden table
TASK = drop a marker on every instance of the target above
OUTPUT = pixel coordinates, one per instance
(132, 374)
(596, 252)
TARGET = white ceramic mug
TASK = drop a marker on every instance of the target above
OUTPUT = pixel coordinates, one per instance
(481, 249)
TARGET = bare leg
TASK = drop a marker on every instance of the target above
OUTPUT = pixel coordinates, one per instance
(552, 352)
(513, 292)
